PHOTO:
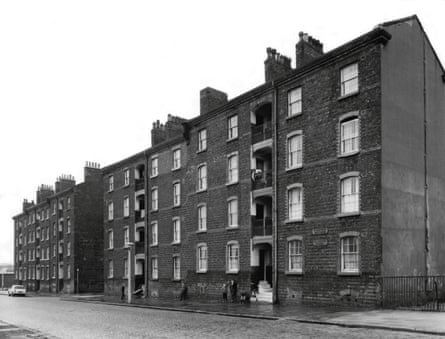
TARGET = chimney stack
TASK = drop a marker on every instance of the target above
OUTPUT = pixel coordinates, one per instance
(276, 65)
(307, 49)
(64, 182)
(43, 192)
(211, 99)
(171, 129)
(92, 171)
(27, 204)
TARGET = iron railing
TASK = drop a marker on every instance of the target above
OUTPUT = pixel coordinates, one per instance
(262, 179)
(261, 132)
(414, 292)
(140, 247)
(261, 227)
(139, 215)
(139, 184)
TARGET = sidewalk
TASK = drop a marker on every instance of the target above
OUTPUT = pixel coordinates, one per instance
(395, 320)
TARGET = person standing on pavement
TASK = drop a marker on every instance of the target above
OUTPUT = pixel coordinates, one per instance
(123, 292)
(233, 290)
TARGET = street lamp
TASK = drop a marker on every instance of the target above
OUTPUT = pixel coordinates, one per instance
(77, 278)
(129, 246)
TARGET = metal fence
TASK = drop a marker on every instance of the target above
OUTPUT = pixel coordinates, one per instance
(414, 292)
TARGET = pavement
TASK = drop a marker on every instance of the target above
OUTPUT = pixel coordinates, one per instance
(432, 323)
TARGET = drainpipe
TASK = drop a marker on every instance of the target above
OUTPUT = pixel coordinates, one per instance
(425, 170)
(146, 229)
(274, 193)
(57, 245)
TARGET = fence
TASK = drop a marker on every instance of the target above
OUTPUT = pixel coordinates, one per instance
(414, 292)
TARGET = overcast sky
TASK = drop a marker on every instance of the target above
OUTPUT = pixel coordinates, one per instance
(84, 80)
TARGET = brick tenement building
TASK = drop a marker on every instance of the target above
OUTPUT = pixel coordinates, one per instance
(316, 183)
(59, 238)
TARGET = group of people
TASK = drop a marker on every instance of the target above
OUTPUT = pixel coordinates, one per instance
(230, 291)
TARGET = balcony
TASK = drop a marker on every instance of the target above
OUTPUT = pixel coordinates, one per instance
(139, 184)
(261, 132)
(261, 227)
(139, 215)
(261, 179)
(139, 247)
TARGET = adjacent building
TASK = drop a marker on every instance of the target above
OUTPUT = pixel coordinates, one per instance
(59, 237)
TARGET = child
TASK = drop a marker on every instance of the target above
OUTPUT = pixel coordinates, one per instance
(224, 295)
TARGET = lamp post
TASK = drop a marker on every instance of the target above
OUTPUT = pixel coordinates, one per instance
(77, 278)
(129, 246)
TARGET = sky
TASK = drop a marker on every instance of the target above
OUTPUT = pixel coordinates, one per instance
(84, 80)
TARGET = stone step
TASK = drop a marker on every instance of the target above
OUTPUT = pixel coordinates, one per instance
(265, 297)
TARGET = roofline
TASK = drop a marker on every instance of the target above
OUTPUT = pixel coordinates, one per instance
(377, 35)
(415, 17)
(131, 158)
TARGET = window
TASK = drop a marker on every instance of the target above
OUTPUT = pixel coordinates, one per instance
(232, 168)
(110, 269)
(176, 159)
(68, 204)
(349, 79)
(47, 233)
(202, 140)
(232, 211)
(68, 225)
(176, 230)
(295, 202)
(110, 183)
(349, 254)
(68, 271)
(202, 177)
(110, 210)
(68, 248)
(201, 258)
(294, 150)
(126, 207)
(154, 233)
(126, 236)
(176, 268)
(110, 239)
(154, 268)
(202, 217)
(232, 257)
(54, 230)
(232, 127)
(295, 248)
(126, 177)
(54, 250)
(294, 99)
(349, 192)
(125, 267)
(154, 166)
(176, 194)
(154, 199)
(349, 136)
(54, 208)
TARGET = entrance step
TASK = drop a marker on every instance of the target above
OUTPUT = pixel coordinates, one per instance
(264, 297)
(264, 287)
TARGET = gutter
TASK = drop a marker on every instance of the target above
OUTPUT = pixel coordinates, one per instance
(274, 192)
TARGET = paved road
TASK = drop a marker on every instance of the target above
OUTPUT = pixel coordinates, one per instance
(64, 319)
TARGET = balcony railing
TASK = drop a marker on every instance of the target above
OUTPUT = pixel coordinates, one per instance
(261, 179)
(139, 247)
(139, 215)
(261, 132)
(139, 184)
(261, 227)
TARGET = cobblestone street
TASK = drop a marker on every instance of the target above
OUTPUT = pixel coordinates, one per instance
(51, 317)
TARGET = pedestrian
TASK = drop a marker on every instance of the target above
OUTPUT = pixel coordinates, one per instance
(183, 293)
(123, 292)
(233, 290)
(225, 291)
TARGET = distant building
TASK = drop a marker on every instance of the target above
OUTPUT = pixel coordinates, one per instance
(309, 187)
(6, 280)
(59, 238)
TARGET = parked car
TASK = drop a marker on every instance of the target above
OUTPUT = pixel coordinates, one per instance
(17, 290)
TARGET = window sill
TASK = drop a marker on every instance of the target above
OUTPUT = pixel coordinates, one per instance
(153, 176)
(348, 95)
(232, 227)
(154, 245)
(232, 139)
(175, 243)
(289, 117)
(154, 279)
(203, 190)
(176, 206)
(348, 214)
(201, 231)
(345, 155)
(232, 272)
(201, 272)
(293, 272)
(153, 211)
(290, 221)
(351, 274)
(126, 216)
(287, 169)
(232, 183)
(110, 248)
(201, 150)
(176, 169)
